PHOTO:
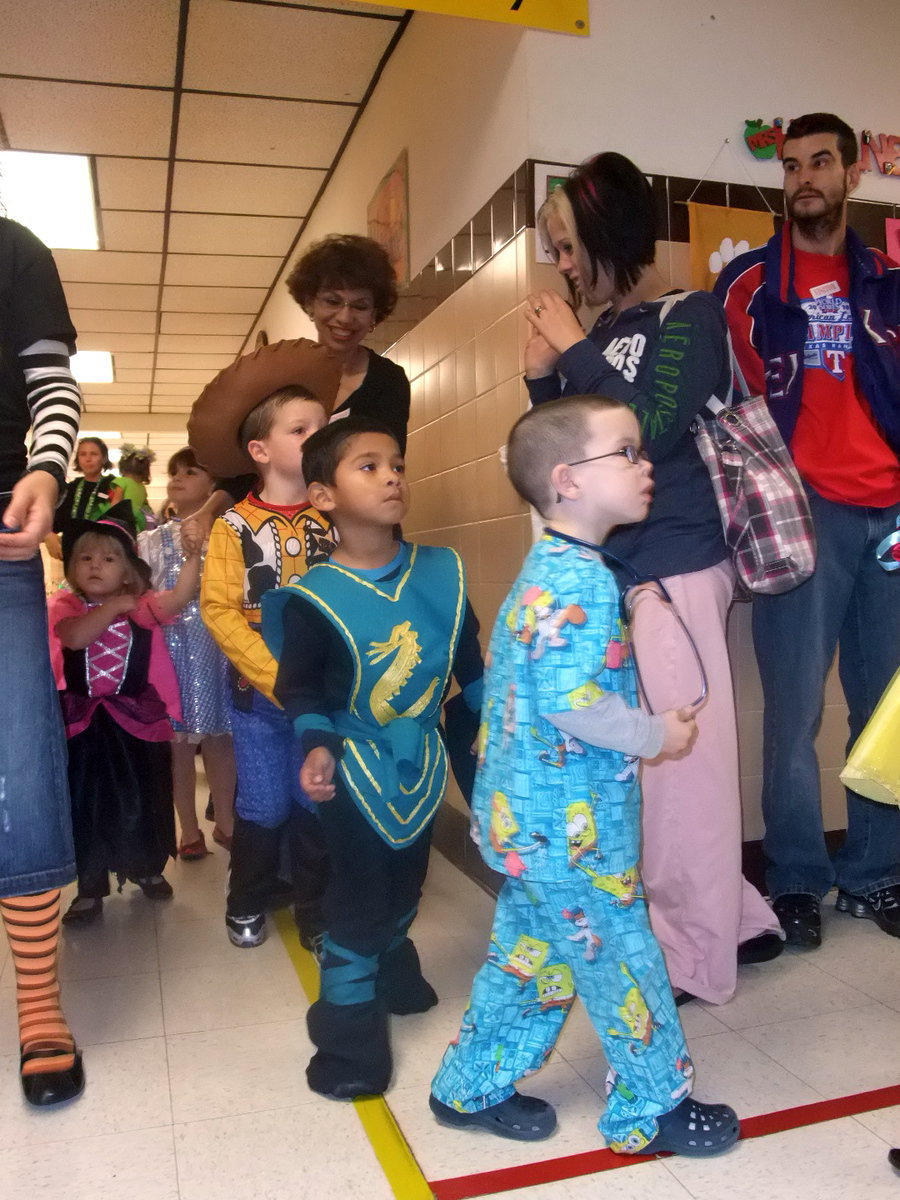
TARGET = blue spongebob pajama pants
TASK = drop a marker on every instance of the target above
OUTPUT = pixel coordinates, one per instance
(551, 941)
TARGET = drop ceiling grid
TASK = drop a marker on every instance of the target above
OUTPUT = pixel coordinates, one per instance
(268, 92)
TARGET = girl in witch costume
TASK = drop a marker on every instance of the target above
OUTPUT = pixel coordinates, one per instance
(118, 689)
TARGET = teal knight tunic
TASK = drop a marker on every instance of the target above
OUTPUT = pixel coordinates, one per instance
(365, 659)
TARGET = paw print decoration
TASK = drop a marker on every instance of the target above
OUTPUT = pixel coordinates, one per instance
(726, 252)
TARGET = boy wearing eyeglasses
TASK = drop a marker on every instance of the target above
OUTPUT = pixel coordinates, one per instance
(556, 809)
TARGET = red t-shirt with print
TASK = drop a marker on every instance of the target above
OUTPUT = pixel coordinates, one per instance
(837, 446)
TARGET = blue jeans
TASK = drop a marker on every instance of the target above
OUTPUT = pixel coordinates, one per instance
(36, 851)
(853, 604)
(268, 757)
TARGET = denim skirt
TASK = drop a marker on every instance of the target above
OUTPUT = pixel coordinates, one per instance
(36, 851)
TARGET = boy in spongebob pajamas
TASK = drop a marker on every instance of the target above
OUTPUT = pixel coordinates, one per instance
(566, 830)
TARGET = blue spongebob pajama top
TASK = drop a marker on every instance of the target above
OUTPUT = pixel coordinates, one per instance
(560, 818)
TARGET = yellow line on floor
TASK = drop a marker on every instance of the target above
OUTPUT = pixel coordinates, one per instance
(390, 1146)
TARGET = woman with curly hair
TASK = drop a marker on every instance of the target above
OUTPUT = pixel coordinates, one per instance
(346, 285)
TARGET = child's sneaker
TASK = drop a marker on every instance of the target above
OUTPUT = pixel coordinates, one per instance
(247, 931)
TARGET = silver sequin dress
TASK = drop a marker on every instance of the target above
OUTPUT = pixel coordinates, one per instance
(199, 664)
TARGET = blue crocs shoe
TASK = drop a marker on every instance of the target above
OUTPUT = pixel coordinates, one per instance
(693, 1129)
(522, 1118)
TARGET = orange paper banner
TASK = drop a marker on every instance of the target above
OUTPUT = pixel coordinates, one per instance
(720, 234)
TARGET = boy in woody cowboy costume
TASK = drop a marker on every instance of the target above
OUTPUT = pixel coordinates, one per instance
(255, 416)
(366, 644)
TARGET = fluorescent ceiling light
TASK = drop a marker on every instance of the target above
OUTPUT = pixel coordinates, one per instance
(53, 194)
(92, 366)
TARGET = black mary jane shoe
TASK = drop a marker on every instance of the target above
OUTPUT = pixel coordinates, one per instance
(83, 910)
(155, 887)
(762, 948)
(894, 1158)
(51, 1087)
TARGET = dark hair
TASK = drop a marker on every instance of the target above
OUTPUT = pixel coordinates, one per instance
(258, 422)
(548, 434)
(186, 459)
(325, 449)
(345, 260)
(615, 217)
(106, 465)
(823, 122)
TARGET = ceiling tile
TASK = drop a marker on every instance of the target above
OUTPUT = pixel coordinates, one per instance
(170, 390)
(123, 375)
(183, 375)
(110, 295)
(192, 362)
(132, 183)
(71, 118)
(220, 187)
(269, 132)
(115, 404)
(117, 341)
(119, 388)
(284, 52)
(365, 10)
(107, 266)
(133, 361)
(132, 231)
(121, 41)
(172, 406)
(100, 320)
(209, 300)
(222, 270)
(205, 233)
(203, 322)
(173, 343)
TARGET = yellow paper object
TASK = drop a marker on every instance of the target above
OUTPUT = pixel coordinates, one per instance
(873, 768)
(559, 16)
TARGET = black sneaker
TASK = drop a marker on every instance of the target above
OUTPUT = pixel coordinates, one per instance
(246, 932)
(881, 906)
(800, 919)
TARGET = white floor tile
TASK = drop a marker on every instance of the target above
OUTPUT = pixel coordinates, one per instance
(251, 988)
(138, 1165)
(837, 1053)
(791, 986)
(117, 1009)
(317, 1150)
(638, 1181)
(121, 942)
(224, 1072)
(838, 1160)
(127, 1089)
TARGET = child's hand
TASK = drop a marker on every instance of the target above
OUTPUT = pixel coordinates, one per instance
(191, 541)
(317, 773)
(680, 730)
(125, 603)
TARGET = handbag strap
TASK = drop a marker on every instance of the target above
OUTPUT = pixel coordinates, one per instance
(714, 404)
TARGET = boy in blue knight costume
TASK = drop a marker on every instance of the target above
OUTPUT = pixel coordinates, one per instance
(366, 645)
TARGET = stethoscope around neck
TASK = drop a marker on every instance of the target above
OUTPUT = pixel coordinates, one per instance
(628, 596)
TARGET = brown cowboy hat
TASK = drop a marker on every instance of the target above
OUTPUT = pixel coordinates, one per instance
(224, 404)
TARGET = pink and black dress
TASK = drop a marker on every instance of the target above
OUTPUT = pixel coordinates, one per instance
(117, 695)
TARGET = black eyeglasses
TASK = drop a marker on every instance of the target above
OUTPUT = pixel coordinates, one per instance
(630, 453)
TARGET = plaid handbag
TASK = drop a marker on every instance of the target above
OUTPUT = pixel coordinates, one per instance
(765, 514)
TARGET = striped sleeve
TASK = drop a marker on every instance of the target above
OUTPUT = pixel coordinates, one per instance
(54, 402)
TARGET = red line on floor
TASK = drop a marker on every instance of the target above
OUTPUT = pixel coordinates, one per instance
(551, 1170)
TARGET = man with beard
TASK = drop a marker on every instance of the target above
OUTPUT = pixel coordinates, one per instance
(814, 316)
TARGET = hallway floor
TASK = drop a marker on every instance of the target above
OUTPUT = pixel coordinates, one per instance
(195, 1054)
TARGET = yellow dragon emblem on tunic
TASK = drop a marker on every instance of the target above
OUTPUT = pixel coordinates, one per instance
(403, 642)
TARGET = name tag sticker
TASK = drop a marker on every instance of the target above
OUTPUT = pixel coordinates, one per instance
(825, 289)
